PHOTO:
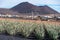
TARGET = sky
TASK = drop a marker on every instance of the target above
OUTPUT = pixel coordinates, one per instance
(55, 4)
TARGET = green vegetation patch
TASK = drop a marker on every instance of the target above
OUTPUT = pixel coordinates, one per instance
(26, 28)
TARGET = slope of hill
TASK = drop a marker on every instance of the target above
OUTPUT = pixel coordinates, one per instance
(7, 11)
(25, 8)
(48, 10)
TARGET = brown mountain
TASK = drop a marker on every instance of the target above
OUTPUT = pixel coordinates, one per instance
(28, 8)
(7, 11)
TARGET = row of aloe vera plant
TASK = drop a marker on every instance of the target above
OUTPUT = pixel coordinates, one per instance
(26, 28)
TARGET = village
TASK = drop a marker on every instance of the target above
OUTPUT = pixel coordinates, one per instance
(32, 17)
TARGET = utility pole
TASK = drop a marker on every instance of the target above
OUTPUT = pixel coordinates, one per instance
(32, 15)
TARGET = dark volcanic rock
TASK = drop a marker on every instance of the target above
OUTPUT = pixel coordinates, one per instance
(26, 7)
(7, 11)
(4, 37)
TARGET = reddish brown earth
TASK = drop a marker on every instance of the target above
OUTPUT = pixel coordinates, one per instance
(35, 21)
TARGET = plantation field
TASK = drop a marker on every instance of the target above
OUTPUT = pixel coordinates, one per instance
(41, 30)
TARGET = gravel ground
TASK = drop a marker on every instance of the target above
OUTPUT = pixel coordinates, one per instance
(5, 37)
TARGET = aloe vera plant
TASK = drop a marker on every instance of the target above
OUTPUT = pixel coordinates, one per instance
(26, 28)
(52, 32)
(39, 31)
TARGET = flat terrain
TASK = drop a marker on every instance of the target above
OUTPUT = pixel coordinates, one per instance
(35, 21)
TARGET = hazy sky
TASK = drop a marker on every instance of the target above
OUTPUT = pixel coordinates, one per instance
(55, 4)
